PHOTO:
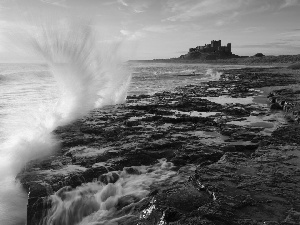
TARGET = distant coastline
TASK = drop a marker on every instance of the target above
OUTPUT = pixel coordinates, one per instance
(281, 59)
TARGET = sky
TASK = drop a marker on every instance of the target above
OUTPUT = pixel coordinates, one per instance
(154, 29)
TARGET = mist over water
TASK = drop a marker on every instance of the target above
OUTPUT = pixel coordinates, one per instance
(87, 77)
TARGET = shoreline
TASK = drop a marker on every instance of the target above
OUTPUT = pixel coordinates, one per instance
(223, 159)
(280, 61)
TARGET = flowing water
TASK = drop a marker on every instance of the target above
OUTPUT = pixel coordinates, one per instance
(78, 77)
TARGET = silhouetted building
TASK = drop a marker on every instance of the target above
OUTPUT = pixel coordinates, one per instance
(214, 50)
(214, 46)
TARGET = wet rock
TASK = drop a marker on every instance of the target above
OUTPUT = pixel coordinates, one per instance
(75, 181)
(89, 175)
(246, 148)
(276, 106)
(93, 173)
(242, 188)
(293, 218)
(236, 111)
(131, 170)
(241, 175)
(182, 199)
(37, 209)
(131, 159)
(39, 190)
(110, 177)
(288, 134)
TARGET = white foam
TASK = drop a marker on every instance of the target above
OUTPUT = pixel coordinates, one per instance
(97, 203)
(87, 77)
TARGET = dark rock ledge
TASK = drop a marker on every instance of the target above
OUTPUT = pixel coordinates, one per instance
(245, 172)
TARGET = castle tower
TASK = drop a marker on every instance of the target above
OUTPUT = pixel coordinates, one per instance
(229, 47)
(212, 43)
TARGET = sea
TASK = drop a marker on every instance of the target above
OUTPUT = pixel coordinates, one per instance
(28, 88)
(28, 91)
(77, 76)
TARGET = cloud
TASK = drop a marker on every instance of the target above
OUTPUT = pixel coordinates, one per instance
(290, 39)
(136, 6)
(229, 19)
(59, 3)
(252, 29)
(131, 36)
(109, 3)
(289, 3)
(263, 45)
(125, 32)
(190, 9)
(286, 40)
(122, 2)
(291, 35)
(225, 10)
(146, 31)
(138, 11)
(160, 28)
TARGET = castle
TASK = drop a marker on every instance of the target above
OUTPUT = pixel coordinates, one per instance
(214, 50)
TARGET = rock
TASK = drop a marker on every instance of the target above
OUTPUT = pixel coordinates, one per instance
(131, 170)
(244, 192)
(293, 218)
(238, 175)
(110, 177)
(276, 106)
(75, 181)
(172, 215)
(295, 66)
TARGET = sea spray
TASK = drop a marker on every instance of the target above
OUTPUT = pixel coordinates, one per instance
(27, 143)
(87, 78)
(212, 74)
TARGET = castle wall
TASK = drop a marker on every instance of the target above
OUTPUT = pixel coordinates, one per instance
(214, 49)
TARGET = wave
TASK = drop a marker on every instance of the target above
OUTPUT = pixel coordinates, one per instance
(87, 76)
(3, 77)
(213, 74)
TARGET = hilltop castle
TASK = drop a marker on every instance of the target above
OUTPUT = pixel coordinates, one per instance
(214, 50)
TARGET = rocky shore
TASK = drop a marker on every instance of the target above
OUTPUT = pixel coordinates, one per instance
(227, 159)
